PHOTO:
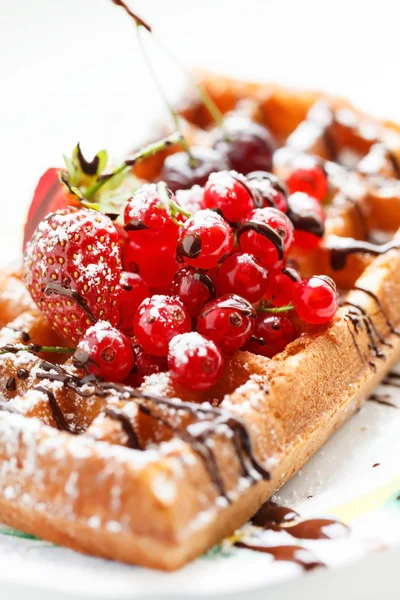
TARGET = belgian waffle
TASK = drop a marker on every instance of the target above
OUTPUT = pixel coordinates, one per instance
(156, 476)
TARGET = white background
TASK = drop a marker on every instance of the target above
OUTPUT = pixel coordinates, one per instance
(71, 71)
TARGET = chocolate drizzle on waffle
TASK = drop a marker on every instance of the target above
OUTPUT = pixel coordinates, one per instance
(379, 304)
(209, 421)
(341, 247)
(58, 415)
(117, 415)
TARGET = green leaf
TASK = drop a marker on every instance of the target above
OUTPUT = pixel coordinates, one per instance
(103, 159)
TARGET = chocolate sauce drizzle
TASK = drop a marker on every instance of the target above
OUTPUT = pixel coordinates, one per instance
(379, 304)
(58, 415)
(24, 334)
(189, 246)
(11, 384)
(206, 280)
(304, 220)
(135, 225)
(273, 517)
(392, 379)
(58, 288)
(266, 231)
(117, 415)
(382, 399)
(393, 161)
(372, 332)
(340, 248)
(295, 554)
(213, 420)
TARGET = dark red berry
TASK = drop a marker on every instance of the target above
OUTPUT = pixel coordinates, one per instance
(267, 233)
(247, 145)
(308, 218)
(228, 192)
(228, 321)
(310, 178)
(179, 174)
(205, 239)
(194, 361)
(272, 334)
(158, 273)
(157, 320)
(105, 352)
(146, 364)
(244, 275)
(131, 254)
(316, 299)
(133, 291)
(149, 223)
(194, 287)
(268, 190)
(282, 282)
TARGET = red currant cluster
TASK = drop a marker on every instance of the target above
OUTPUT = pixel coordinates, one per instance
(201, 286)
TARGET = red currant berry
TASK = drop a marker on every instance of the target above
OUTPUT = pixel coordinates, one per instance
(310, 178)
(157, 320)
(308, 218)
(228, 192)
(268, 190)
(194, 288)
(194, 361)
(228, 321)
(267, 233)
(131, 253)
(247, 145)
(243, 274)
(105, 352)
(282, 282)
(205, 239)
(133, 291)
(180, 174)
(149, 222)
(146, 364)
(158, 274)
(272, 334)
(316, 299)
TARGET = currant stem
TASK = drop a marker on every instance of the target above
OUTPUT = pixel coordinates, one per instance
(173, 113)
(175, 117)
(275, 310)
(205, 97)
(36, 348)
(169, 203)
(146, 152)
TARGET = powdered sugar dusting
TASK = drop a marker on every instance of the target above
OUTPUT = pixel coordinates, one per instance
(186, 345)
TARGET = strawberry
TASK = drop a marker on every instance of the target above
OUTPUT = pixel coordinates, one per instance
(72, 267)
(49, 196)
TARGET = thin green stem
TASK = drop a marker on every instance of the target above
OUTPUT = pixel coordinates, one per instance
(170, 204)
(150, 150)
(205, 97)
(275, 310)
(173, 113)
(34, 348)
